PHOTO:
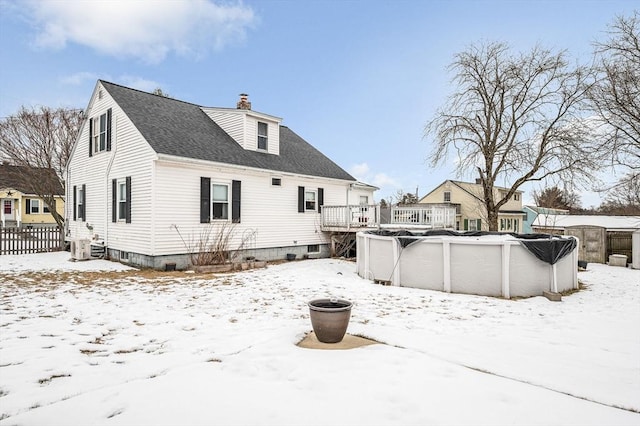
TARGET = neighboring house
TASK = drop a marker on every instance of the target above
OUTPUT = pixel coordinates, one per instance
(598, 236)
(471, 215)
(532, 213)
(19, 205)
(150, 176)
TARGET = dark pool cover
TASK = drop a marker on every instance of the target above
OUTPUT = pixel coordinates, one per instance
(546, 247)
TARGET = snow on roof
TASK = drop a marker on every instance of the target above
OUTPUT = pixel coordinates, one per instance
(608, 222)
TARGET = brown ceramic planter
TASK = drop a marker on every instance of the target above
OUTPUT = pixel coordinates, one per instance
(330, 318)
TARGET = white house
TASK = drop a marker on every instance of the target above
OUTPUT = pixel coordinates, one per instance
(151, 177)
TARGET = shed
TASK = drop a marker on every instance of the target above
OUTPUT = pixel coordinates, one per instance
(599, 236)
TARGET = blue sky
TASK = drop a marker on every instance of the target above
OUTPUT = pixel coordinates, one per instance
(357, 79)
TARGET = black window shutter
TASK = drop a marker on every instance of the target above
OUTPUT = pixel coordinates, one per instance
(90, 137)
(205, 199)
(114, 200)
(84, 204)
(235, 201)
(479, 224)
(301, 199)
(109, 129)
(75, 202)
(128, 205)
(320, 199)
(466, 224)
(28, 206)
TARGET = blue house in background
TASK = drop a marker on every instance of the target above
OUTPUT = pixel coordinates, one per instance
(532, 213)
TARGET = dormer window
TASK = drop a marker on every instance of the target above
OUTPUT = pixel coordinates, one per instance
(262, 136)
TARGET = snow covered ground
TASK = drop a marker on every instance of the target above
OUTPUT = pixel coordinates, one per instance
(92, 343)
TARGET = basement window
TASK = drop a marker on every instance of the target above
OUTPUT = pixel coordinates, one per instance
(313, 248)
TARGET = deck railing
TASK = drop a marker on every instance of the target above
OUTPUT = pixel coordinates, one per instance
(348, 217)
(432, 216)
(356, 217)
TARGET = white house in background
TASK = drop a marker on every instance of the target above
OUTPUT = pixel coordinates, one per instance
(150, 176)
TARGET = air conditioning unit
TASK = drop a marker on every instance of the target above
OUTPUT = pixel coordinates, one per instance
(80, 249)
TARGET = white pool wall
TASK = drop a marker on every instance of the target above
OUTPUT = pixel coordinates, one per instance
(488, 265)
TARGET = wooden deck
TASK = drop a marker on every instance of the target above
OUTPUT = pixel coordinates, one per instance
(355, 218)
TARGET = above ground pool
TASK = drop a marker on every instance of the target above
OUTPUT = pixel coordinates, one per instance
(482, 263)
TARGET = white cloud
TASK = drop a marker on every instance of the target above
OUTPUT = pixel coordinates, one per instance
(140, 83)
(382, 180)
(80, 78)
(149, 30)
(360, 171)
(387, 184)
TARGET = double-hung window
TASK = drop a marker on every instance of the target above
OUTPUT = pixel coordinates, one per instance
(99, 137)
(122, 199)
(447, 196)
(34, 206)
(262, 136)
(220, 201)
(310, 200)
(80, 201)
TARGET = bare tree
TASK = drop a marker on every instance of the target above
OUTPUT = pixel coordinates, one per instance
(616, 96)
(624, 198)
(37, 139)
(403, 198)
(556, 198)
(513, 119)
(158, 91)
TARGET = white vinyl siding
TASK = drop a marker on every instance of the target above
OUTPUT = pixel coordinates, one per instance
(130, 155)
(242, 126)
(265, 208)
(230, 122)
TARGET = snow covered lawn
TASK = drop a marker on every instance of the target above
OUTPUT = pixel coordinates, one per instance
(93, 343)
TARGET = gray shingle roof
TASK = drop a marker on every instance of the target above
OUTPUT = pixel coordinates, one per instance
(24, 179)
(182, 129)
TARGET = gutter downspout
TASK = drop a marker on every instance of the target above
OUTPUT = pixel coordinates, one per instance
(106, 192)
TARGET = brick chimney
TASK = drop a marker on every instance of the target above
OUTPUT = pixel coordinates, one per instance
(244, 102)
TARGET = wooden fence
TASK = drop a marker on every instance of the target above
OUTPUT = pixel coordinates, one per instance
(619, 243)
(30, 240)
